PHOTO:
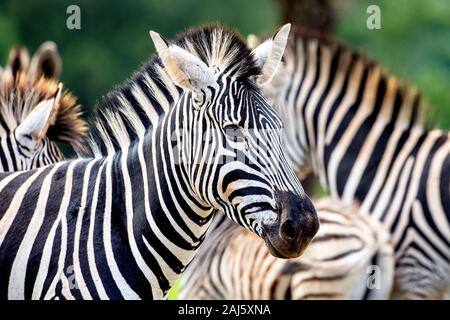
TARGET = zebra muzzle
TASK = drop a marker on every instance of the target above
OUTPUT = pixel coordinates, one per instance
(295, 228)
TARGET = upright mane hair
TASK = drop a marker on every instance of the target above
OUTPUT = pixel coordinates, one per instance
(420, 113)
(20, 95)
(120, 118)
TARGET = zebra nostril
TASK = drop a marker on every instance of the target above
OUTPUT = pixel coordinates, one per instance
(288, 231)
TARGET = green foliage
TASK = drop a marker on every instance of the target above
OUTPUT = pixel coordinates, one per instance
(175, 290)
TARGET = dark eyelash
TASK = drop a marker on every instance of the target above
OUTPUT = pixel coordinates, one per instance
(232, 126)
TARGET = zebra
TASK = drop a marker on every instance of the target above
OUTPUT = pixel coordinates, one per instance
(369, 139)
(34, 111)
(347, 252)
(188, 134)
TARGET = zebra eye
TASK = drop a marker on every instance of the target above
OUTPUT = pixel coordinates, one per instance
(234, 132)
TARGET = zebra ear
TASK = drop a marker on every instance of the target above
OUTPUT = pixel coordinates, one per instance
(185, 69)
(18, 61)
(46, 62)
(34, 127)
(270, 52)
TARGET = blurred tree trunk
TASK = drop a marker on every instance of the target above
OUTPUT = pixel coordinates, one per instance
(318, 14)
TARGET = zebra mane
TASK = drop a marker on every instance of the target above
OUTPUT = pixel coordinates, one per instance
(414, 109)
(20, 95)
(129, 110)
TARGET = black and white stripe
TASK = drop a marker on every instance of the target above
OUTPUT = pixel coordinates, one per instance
(15, 156)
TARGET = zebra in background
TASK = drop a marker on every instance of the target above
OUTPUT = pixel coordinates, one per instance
(34, 112)
(334, 267)
(127, 218)
(365, 135)
(234, 264)
(310, 91)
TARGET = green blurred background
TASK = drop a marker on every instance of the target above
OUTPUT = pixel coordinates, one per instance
(413, 43)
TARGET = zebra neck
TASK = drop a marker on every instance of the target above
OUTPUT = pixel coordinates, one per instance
(158, 204)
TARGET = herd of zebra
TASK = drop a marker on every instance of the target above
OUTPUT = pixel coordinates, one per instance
(211, 135)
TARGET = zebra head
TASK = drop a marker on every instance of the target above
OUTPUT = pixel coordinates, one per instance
(34, 148)
(34, 112)
(229, 142)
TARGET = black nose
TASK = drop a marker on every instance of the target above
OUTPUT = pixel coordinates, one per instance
(298, 218)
